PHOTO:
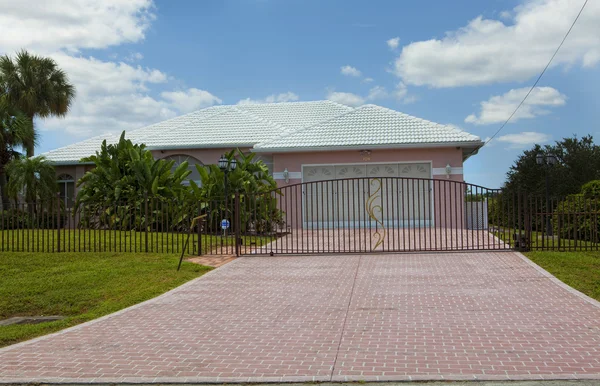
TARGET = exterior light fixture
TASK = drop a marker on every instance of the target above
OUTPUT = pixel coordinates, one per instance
(223, 163)
(233, 164)
(286, 176)
(448, 170)
(539, 159)
(366, 155)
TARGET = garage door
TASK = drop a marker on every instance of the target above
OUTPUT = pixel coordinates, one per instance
(362, 195)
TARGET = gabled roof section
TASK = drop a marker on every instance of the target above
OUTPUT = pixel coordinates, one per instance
(370, 126)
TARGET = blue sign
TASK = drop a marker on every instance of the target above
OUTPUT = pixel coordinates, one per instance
(225, 224)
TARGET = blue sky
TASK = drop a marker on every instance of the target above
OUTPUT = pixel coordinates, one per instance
(140, 62)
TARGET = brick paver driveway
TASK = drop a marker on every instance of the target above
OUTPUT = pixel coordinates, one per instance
(486, 315)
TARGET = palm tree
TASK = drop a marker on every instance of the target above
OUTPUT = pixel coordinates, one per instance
(36, 86)
(16, 130)
(35, 176)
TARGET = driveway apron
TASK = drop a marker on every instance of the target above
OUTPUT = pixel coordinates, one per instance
(436, 316)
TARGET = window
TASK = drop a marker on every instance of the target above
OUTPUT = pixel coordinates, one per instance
(192, 162)
(66, 185)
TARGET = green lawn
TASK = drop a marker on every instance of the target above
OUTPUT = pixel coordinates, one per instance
(541, 241)
(580, 270)
(81, 286)
(74, 240)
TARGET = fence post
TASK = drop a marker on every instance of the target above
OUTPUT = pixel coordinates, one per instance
(199, 225)
(527, 222)
(58, 221)
(146, 220)
(237, 224)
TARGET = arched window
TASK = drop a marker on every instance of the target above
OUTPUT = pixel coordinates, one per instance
(192, 162)
(66, 185)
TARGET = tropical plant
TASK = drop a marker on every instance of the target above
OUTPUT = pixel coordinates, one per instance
(124, 180)
(36, 86)
(16, 129)
(256, 189)
(34, 176)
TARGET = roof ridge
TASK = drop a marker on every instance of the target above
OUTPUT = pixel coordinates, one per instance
(447, 126)
(256, 117)
(184, 115)
(353, 109)
(288, 103)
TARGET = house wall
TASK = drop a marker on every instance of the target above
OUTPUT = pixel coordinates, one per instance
(447, 196)
(206, 156)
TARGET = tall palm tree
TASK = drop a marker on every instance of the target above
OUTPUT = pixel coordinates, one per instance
(35, 176)
(36, 86)
(16, 129)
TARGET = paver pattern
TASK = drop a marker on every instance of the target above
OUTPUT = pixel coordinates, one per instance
(484, 315)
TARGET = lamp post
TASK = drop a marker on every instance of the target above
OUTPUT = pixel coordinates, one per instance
(226, 166)
(547, 161)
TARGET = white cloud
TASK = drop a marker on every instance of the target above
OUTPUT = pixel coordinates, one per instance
(350, 71)
(400, 93)
(134, 57)
(489, 51)
(273, 98)
(346, 98)
(377, 92)
(498, 108)
(51, 25)
(367, 80)
(393, 43)
(191, 99)
(111, 96)
(524, 139)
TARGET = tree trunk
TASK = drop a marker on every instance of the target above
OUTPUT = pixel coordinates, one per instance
(30, 145)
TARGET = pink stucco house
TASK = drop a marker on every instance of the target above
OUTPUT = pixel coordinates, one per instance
(299, 141)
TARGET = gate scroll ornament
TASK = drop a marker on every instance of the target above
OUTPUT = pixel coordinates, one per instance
(371, 208)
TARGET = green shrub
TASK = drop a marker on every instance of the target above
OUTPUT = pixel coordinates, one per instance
(577, 217)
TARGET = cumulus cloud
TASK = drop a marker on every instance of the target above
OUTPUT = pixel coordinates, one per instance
(273, 98)
(191, 99)
(487, 51)
(73, 24)
(111, 95)
(346, 98)
(367, 80)
(350, 71)
(393, 43)
(524, 139)
(498, 108)
(377, 92)
(400, 93)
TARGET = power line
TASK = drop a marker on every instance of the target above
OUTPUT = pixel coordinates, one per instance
(538, 78)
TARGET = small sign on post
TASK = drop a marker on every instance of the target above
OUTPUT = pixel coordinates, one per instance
(225, 224)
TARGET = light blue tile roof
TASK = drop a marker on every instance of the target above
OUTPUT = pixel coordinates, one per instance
(368, 125)
(278, 126)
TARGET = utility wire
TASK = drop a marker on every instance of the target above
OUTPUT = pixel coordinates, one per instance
(538, 78)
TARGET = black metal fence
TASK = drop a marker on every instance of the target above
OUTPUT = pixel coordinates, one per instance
(357, 215)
